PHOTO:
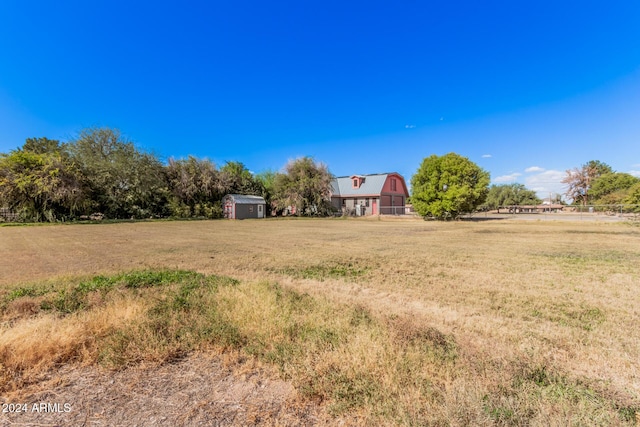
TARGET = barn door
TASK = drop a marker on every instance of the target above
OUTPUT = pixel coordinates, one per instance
(260, 211)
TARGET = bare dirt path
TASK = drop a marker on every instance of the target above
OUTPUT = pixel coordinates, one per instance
(197, 391)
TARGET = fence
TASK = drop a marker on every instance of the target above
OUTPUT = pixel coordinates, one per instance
(611, 210)
(8, 215)
(618, 212)
(396, 210)
(606, 212)
(383, 210)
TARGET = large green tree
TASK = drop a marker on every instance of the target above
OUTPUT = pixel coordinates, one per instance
(612, 188)
(510, 194)
(196, 188)
(633, 197)
(305, 185)
(448, 186)
(237, 179)
(41, 186)
(124, 181)
(43, 145)
(579, 180)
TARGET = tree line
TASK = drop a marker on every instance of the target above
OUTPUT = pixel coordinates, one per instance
(593, 183)
(102, 172)
(596, 183)
(445, 187)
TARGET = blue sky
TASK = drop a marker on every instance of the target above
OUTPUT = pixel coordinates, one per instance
(524, 89)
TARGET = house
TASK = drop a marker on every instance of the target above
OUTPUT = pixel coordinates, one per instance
(375, 194)
(240, 206)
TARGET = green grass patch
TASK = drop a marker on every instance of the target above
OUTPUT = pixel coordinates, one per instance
(517, 403)
(626, 232)
(629, 414)
(322, 271)
(580, 316)
(591, 256)
(76, 297)
(27, 291)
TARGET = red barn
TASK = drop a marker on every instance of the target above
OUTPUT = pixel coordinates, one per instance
(375, 194)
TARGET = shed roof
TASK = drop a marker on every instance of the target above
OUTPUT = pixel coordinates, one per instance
(245, 199)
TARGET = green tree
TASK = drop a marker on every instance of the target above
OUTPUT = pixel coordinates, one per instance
(580, 180)
(633, 196)
(43, 145)
(237, 179)
(41, 186)
(124, 181)
(196, 188)
(612, 188)
(267, 180)
(305, 185)
(510, 194)
(448, 186)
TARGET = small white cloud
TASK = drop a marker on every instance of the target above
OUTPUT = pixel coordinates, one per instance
(634, 173)
(507, 178)
(486, 156)
(543, 183)
(409, 126)
(534, 169)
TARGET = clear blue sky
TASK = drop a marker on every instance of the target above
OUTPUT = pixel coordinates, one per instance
(524, 89)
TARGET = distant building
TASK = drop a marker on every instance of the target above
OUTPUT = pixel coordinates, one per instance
(240, 206)
(375, 194)
(531, 208)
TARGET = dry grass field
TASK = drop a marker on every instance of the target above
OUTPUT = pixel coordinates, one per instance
(372, 322)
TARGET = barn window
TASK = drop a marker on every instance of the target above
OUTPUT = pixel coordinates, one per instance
(355, 182)
(366, 202)
(250, 208)
(393, 184)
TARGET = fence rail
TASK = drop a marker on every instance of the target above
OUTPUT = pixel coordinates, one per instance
(396, 210)
(7, 214)
(612, 212)
(612, 209)
(606, 209)
(382, 210)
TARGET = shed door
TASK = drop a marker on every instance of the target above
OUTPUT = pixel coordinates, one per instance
(228, 210)
(260, 211)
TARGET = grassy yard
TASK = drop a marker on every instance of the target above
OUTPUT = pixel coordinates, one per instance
(389, 321)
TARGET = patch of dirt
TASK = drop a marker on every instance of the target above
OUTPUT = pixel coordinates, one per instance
(199, 390)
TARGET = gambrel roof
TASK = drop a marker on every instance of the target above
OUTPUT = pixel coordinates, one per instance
(371, 185)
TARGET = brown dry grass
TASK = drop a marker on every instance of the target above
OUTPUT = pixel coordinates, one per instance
(481, 323)
(34, 344)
